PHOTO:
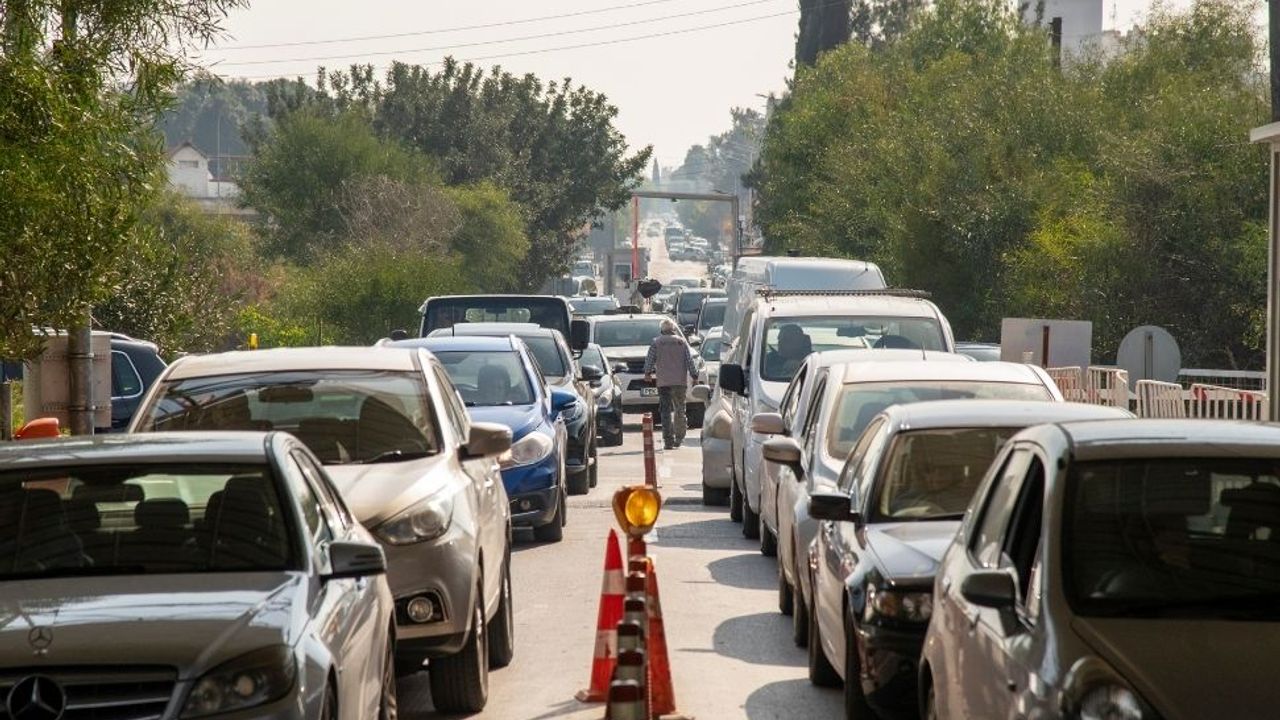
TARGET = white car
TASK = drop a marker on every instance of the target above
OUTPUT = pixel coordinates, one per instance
(393, 433)
(187, 575)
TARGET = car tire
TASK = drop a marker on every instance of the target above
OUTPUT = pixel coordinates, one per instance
(695, 414)
(735, 501)
(389, 705)
(768, 541)
(329, 710)
(714, 497)
(750, 521)
(855, 702)
(460, 682)
(502, 629)
(930, 710)
(613, 439)
(554, 530)
(580, 483)
(786, 597)
(821, 673)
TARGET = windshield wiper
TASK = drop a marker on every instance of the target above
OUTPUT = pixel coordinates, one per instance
(393, 456)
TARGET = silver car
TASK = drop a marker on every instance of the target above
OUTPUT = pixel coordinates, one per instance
(194, 575)
(1123, 569)
(393, 434)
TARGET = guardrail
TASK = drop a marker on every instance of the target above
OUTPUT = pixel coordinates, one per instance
(1160, 399)
(1154, 399)
(1214, 402)
(1070, 381)
(1107, 386)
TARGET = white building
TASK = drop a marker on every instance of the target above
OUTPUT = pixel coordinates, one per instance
(1086, 26)
(190, 174)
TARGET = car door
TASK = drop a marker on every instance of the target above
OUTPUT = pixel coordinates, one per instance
(976, 674)
(741, 402)
(336, 606)
(786, 484)
(772, 475)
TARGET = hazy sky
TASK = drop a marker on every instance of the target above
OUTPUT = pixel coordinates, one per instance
(670, 72)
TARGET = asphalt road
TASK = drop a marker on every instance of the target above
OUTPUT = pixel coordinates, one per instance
(731, 651)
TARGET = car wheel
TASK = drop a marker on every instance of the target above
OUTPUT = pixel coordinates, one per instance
(389, 707)
(750, 521)
(502, 631)
(460, 682)
(613, 439)
(786, 598)
(714, 496)
(820, 671)
(735, 501)
(329, 710)
(580, 483)
(768, 541)
(800, 609)
(855, 702)
(695, 414)
(554, 530)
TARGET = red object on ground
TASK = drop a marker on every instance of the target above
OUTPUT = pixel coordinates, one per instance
(650, 468)
(662, 696)
(45, 427)
(606, 650)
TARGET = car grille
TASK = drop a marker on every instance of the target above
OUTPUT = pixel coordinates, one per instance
(635, 366)
(102, 693)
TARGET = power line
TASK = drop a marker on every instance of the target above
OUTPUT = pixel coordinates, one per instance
(461, 28)
(602, 43)
(539, 36)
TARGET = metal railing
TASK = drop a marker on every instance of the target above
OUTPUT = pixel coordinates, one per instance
(1107, 386)
(1223, 403)
(1070, 381)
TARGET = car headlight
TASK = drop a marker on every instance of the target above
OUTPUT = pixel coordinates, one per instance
(253, 679)
(604, 398)
(424, 520)
(895, 605)
(527, 450)
(1111, 702)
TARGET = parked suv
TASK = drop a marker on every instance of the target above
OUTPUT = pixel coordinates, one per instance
(393, 434)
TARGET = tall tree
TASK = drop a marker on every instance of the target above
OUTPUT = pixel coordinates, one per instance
(824, 25)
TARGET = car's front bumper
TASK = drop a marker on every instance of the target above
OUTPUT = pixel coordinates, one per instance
(534, 492)
(633, 399)
(609, 419)
(890, 668)
(444, 571)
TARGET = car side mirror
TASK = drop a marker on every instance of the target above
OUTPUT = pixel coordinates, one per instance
(732, 378)
(835, 506)
(768, 424)
(784, 451)
(399, 334)
(355, 560)
(579, 334)
(701, 393)
(721, 426)
(990, 588)
(590, 373)
(487, 440)
(619, 367)
(562, 400)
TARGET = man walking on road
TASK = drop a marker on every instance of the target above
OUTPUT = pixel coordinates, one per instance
(672, 361)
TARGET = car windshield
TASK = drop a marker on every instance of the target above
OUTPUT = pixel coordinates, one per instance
(488, 378)
(712, 315)
(685, 282)
(710, 349)
(344, 416)
(547, 312)
(137, 520)
(691, 301)
(1174, 538)
(547, 352)
(622, 333)
(788, 341)
(858, 403)
(933, 474)
(592, 305)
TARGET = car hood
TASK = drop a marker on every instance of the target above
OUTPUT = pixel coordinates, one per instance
(522, 419)
(190, 622)
(911, 550)
(625, 353)
(377, 492)
(1171, 663)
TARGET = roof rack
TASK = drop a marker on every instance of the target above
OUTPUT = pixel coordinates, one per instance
(770, 293)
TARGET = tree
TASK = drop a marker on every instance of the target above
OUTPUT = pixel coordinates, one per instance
(824, 25)
(212, 113)
(720, 165)
(81, 85)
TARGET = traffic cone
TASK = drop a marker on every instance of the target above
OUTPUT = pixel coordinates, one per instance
(606, 650)
(662, 696)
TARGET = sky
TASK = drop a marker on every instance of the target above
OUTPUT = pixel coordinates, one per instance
(673, 68)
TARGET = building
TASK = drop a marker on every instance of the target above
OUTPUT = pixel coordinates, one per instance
(203, 180)
(1083, 27)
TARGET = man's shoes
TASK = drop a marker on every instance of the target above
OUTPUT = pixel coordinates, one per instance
(678, 444)
(668, 446)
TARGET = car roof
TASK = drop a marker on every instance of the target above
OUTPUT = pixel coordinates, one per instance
(473, 343)
(864, 302)
(995, 413)
(856, 372)
(829, 358)
(286, 359)
(112, 449)
(1100, 440)
(624, 316)
(495, 328)
(822, 263)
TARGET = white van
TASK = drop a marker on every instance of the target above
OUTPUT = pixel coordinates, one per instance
(753, 274)
(778, 331)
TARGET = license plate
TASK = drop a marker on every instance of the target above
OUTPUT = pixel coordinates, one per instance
(649, 392)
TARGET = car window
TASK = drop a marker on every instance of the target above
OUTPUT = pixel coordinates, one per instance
(125, 381)
(550, 356)
(335, 509)
(318, 530)
(710, 349)
(788, 341)
(808, 432)
(712, 315)
(488, 378)
(593, 356)
(1018, 549)
(452, 401)
(342, 416)
(791, 400)
(858, 454)
(624, 333)
(934, 473)
(985, 545)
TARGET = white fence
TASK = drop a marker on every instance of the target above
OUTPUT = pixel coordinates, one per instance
(1212, 401)
(1160, 399)
(1153, 399)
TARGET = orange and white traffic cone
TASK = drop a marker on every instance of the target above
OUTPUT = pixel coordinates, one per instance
(606, 649)
(662, 696)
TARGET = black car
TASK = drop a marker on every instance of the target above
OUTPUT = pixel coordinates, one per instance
(608, 394)
(135, 365)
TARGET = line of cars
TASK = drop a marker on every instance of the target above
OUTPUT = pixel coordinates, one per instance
(954, 541)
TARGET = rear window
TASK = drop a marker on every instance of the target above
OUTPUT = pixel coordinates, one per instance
(623, 333)
(789, 340)
(544, 311)
(712, 316)
(547, 352)
(486, 378)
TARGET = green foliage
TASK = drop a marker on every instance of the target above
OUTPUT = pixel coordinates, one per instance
(722, 164)
(273, 331)
(182, 279)
(963, 161)
(490, 240)
(212, 113)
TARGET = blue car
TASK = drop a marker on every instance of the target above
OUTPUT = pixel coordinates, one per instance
(499, 382)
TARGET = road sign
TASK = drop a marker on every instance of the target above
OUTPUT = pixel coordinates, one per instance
(1149, 352)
